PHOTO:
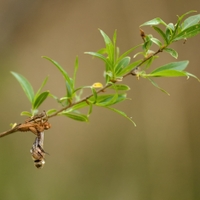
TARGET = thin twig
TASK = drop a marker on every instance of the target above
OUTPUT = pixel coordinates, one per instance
(16, 128)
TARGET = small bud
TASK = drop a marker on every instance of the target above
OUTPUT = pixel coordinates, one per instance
(142, 34)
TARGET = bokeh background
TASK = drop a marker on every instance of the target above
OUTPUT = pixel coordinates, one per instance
(107, 158)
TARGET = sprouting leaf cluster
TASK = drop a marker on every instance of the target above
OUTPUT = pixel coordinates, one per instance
(117, 67)
(36, 99)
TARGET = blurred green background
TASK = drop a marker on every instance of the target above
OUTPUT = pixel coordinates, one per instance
(108, 158)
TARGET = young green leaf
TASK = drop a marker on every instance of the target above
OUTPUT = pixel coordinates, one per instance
(129, 68)
(107, 40)
(101, 51)
(34, 112)
(98, 55)
(172, 52)
(50, 112)
(64, 101)
(26, 86)
(69, 88)
(153, 22)
(128, 52)
(75, 71)
(161, 33)
(121, 113)
(94, 94)
(189, 32)
(123, 63)
(40, 99)
(78, 106)
(109, 46)
(26, 113)
(179, 66)
(149, 62)
(115, 37)
(115, 51)
(190, 21)
(156, 41)
(171, 27)
(148, 43)
(192, 75)
(187, 13)
(76, 116)
(111, 99)
(90, 110)
(156, 85)
(168, 34)
(64, 73)
(122, 87)
(168, 73)
(43, 84)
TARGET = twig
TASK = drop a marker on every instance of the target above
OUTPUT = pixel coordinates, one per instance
(133, 72)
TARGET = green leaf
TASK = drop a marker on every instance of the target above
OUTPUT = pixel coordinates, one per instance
(156, 41)
(128, 52)
(109, 74)
(156, 85)
(50, 112)
(153, 22)
(63, 99)
(123, 63)
(76, 116)
(179, 66)
(64, 73)
(115, 51)
(111, 99)
(190, 21)
(90, 110)
(121, 113)
(78, 106)
(122, 87)
(34, 112)
(98, 55)
(149, 62)
(161, 33)
(192, 75)
(75, 71)
(168, 34)
(26, 113)
(189, 32)
(109, 46)
(168, 73)
(26, 86)
(129, 68)
(171, 27)
(172, 52)
(148, 42)
(69, 88)
(102, 51)
(107, 40)
(43, 84)
(94, 94)
(187, 13)
(115, 37)
(39, 100)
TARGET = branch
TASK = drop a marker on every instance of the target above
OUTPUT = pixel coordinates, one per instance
(18, 126)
